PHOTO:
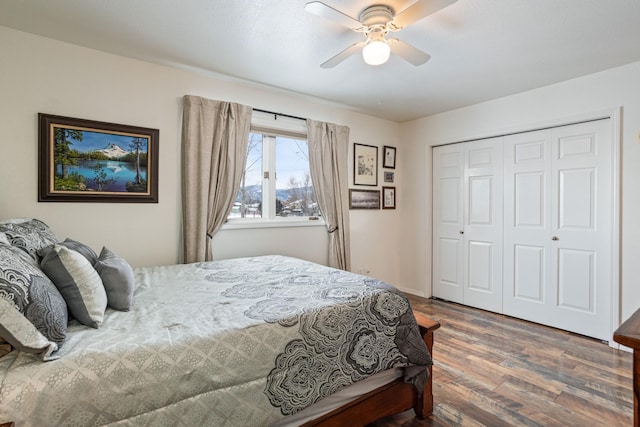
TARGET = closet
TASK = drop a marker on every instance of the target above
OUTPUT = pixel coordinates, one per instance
(522, 225)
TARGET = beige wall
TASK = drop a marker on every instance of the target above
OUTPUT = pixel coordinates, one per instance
(605, 91)
(43, 75)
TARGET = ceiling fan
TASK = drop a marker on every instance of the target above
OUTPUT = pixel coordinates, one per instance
(376, 22)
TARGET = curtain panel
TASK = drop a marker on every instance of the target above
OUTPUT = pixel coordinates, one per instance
(328, 154)
(214, 148)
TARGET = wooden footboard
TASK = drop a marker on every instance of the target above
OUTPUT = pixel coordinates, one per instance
(391, 398)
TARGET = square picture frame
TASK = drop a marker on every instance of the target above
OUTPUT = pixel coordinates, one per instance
(90, 161)
(364, 199)
(389, 157)
(388, 176)
(365, 165)
(388, 197)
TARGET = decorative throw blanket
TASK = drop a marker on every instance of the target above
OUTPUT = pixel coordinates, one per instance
(235, 342)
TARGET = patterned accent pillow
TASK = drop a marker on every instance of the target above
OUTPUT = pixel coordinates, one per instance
(117, 278)
(26, 287)
(28, 234)
(83, 249)
(79, 284)
(22, 335)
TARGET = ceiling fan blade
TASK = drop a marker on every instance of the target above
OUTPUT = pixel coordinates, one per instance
(325, 11)
(418, 10)
(332, 62)
(408, 52)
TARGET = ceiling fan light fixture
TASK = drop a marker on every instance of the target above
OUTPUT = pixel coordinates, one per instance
(376, 52)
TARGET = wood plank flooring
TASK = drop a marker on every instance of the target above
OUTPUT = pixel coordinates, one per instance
(493, 370)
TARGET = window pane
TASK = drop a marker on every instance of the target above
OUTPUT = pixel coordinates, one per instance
(249, 200)
(294, 190)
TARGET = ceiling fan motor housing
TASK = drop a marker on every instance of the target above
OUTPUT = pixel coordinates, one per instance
(376, 15)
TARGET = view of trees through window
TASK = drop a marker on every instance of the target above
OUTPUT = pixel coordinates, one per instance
(276, 180)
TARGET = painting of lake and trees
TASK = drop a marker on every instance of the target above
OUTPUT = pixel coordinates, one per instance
(95, 161)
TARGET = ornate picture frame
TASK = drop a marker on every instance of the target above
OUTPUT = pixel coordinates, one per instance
(90, 161)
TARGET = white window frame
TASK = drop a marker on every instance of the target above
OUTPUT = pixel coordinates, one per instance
(272, 125)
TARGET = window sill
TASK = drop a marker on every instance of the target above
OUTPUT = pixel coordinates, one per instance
(274, 223)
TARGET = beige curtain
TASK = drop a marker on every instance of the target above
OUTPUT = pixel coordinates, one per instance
(328, 153)
(214, 149)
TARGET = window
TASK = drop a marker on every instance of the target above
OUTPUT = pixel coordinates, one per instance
(276, 183)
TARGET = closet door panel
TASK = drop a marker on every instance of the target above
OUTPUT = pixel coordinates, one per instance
(483, 224)
(528, 273)
(557, 227)
(448, 182)
(581, 227)
(479, 267)
(527, 228)
(576, 280)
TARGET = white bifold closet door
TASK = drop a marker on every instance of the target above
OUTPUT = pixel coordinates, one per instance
(557, 227)
(467, 223)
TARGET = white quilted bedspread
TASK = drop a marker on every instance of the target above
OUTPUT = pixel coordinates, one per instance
(240, 342)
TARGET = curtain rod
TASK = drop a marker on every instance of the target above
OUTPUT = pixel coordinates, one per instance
(279, 114)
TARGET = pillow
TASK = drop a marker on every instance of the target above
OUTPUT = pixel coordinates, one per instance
(21, 334)
(32, 294)
(83, 249)
(79, 284)
(117, 278)
(28, 234)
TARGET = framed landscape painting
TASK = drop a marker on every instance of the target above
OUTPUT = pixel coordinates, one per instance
(364, 199)
(89, 161)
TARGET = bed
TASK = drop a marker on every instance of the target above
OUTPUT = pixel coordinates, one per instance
(260, 341)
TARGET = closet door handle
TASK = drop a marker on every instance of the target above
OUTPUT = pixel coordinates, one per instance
(555, 238)
(461, 231)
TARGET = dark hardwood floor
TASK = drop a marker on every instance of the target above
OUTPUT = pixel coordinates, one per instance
(493, 370)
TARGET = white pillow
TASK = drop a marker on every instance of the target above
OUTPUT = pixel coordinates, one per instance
(18, 331)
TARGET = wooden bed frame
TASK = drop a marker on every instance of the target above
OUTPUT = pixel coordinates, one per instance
(392, 398)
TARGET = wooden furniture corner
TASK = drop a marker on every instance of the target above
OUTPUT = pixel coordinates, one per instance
(628, 334)
(390, 399)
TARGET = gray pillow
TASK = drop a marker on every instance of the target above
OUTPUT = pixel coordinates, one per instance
(30, 291)
(83, 249)
(79, 284)
(28, 234)
(117, 278)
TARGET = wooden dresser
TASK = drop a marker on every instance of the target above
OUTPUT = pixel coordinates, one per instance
(628, 334)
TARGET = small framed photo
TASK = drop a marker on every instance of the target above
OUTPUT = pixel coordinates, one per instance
(388, 176)
(389, 157)
(388, 197)
(89, 161)
(365, 165)
(364, 199)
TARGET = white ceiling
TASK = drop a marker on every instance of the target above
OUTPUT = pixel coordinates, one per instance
(480, 49)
